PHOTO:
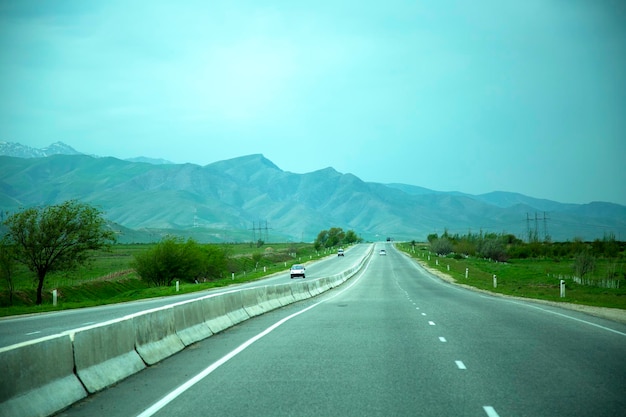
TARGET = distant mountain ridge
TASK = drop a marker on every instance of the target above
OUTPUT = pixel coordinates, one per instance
(58, 148)
(250, 197)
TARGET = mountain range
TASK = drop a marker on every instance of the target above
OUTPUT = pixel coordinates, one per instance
(250, 198)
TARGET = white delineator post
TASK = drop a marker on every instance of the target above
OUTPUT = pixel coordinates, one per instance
(495, 281)
(54, 297)
(562, 289)
(466, 273)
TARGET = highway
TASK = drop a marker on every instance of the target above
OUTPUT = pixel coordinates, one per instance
(392, 341)
(29, 327)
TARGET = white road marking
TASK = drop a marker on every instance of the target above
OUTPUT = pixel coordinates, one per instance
(491, 412)
(159, 405)
(432, 323)
(443, 339)
(32, 333)
(423, 314)
(460, 364)
(570, 317)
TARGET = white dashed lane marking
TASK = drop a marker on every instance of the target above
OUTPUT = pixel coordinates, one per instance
(491, 412)
(460, 364)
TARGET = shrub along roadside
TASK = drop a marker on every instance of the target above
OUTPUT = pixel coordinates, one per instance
(529, 278)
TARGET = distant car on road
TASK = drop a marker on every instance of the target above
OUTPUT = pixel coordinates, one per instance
(340, 252)
(382, 252)
(297, 271)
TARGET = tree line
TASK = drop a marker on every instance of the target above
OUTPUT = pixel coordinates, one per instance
(335, 236)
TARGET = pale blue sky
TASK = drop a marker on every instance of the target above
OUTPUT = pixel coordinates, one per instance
(474, 96)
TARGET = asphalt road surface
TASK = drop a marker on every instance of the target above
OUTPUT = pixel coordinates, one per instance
(20, 329)
(392, 341)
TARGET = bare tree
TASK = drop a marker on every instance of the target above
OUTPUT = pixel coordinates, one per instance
(584, 263)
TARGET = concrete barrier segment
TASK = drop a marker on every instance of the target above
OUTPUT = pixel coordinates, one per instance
(155, 335)
(315, 287)
(234, 306)
(190, 322)
(283, 294)
(254, 300)
(325, 284)
(215, 315)
(273, 297)
(300, 291)
(38, 377)
(105, 354)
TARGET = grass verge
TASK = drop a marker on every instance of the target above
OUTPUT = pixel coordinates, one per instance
(527, 278)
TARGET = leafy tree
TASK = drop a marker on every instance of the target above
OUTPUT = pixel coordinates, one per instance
(7, 267)
(215, 262)
(58, 237)
(170, 259)
(174, 259)
(320, 241)
(351, 237)
(333, 237)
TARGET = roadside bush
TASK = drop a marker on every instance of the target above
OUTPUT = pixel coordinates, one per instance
(441, 246)
(169, 260)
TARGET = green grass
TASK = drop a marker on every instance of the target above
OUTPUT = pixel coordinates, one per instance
(109, 278)
(530, 278)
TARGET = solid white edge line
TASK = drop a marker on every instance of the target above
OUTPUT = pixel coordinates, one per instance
(491, 412)
(567, 317)
(156, 407)
(525, 303)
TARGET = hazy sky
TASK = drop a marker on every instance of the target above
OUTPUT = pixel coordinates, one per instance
(475, 96)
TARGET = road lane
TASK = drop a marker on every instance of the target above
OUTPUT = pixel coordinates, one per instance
(22, 328)
(391, 341)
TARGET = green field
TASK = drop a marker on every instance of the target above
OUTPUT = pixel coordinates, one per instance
(109, 277)
(531, 278)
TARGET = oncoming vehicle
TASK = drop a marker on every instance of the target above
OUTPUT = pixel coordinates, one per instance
(382, 252)
(297, 271)
(340, 252)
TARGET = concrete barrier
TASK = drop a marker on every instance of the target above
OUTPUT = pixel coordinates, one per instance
(283, 294)
(43, 376)
(273, 298)
(190, 322)
(315, 287)
(254, 300)
(105, 354)
(155, 335)
(300, 291)
(215, 315)
(234, 307)
(37, 377)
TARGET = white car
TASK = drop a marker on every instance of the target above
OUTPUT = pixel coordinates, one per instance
(297, 271)
(382, 252)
